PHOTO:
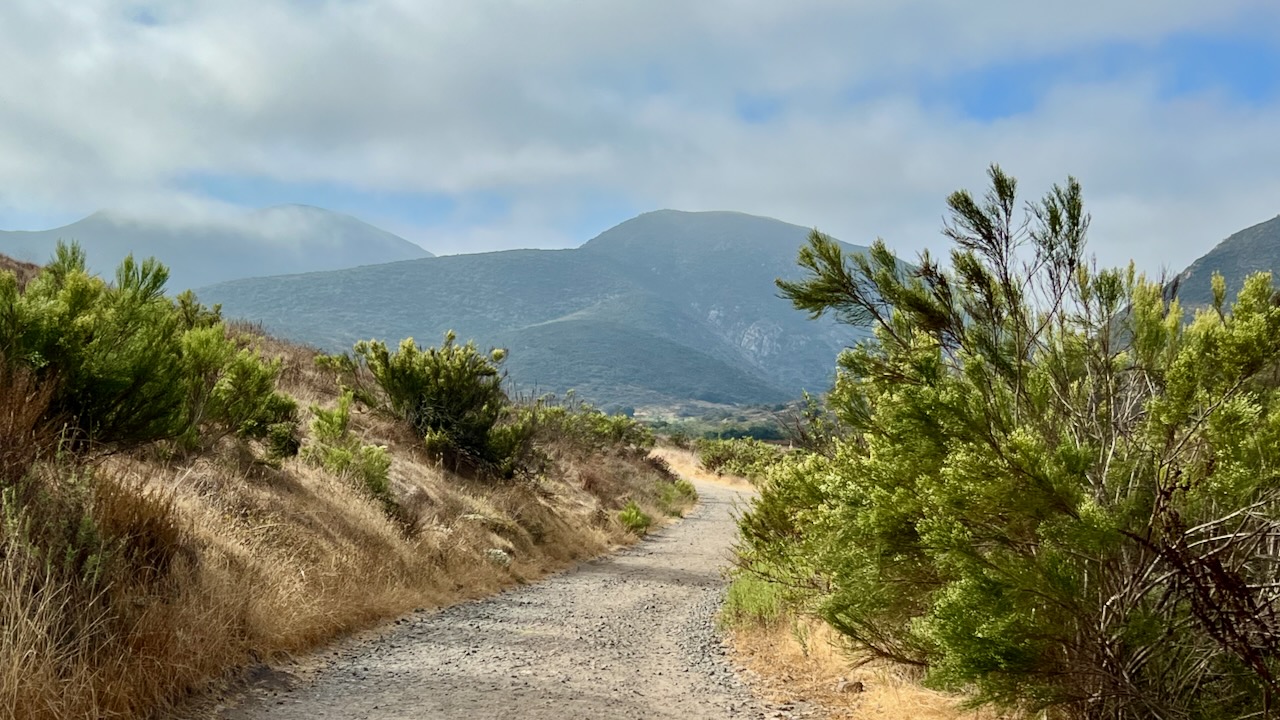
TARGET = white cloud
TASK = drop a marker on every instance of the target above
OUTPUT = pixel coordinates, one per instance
(549, 102)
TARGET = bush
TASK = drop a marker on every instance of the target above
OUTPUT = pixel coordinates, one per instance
(676, 495)
(747, 457)
(451, 394)
(584, 426)
(334, 448)
(1050, 490)
(124, 365)
(634, 519)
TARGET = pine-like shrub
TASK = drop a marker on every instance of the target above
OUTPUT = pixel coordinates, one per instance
(746, 457)
(452, 395)
(1053, 491)
(124, 365)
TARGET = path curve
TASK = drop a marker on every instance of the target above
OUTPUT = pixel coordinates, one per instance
(630, 635)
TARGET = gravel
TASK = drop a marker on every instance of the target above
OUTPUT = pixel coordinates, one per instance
(631, 635)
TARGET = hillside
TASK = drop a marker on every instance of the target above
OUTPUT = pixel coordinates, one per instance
(185, 500)
(24, 271)
(1250, 250)
(277, 240)
(667, 307)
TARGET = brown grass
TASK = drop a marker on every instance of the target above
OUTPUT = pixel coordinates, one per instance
(801, 659)
(24, 431)
(231, 561)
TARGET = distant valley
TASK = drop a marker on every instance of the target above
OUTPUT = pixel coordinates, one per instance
(276, 240)
(669, 307)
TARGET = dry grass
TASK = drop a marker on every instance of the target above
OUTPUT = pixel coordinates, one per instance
(685, 462)
(24, 432)
(273, 562)
(801, 659)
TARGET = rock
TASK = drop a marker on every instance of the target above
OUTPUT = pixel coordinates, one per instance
(847, 686)
(498, 556)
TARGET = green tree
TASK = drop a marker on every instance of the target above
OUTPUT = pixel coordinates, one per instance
(1053, 491)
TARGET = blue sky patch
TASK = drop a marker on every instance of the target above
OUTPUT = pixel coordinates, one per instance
(757, 109)
(1244, 68)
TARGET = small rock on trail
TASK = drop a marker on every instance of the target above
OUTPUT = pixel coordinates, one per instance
(630, 635)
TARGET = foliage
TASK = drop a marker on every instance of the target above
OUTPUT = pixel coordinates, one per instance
(812, 427)
(634, 519)
(677, 495)
(745, 457)
(585, 425)
(124, 365)
(452, 395)
(1053, 492)
(760, 422)
(334, 448)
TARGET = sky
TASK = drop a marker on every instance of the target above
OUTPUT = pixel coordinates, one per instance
(492, 124)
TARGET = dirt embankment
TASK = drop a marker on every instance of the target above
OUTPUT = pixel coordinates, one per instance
(629, 636)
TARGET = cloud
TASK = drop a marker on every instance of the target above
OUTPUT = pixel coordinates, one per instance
(534, 119)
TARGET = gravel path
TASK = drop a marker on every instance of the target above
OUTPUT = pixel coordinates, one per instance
(631, 635)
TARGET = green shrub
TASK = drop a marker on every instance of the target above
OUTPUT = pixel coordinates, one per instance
(676, 495)
(282, 440)
(1049, 489)
(634, 519)
(583, 426)
(334, 448)
(452, 393)
(747, 457)
(127, 365)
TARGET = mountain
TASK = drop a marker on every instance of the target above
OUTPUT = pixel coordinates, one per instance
(273, 241)
(668, 307)
(1250, 250)
(23, 271)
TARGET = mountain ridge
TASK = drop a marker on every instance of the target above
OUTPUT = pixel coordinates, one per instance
(669, 306)
(281, 239)
(1252, 249)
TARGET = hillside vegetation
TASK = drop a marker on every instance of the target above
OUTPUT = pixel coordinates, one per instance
(1049, 488)
(182, 497)
(202, 251)
(669, 307)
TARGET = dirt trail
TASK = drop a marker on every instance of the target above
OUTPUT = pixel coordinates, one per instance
(631, 635)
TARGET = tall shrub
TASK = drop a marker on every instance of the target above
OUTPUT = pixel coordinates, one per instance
(124, 365)
(1055, 493)
(452, 395)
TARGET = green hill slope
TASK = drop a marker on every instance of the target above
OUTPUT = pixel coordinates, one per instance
(668, 307)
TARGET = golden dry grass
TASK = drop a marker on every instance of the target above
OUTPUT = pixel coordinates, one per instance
(801, 659)
(685, 463)
(276, 561)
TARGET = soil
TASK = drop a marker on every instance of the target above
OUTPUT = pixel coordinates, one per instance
(631, 635)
